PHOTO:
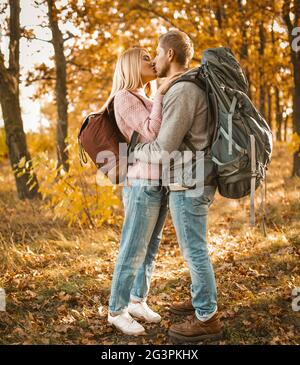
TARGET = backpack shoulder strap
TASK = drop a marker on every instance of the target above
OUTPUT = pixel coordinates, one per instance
(202, 83)
(84, 124)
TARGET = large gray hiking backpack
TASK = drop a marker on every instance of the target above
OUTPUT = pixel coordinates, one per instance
(241, 144)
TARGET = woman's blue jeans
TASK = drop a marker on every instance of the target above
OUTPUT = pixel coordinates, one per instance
(145, 213)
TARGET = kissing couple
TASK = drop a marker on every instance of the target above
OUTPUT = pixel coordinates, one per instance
(176, 119)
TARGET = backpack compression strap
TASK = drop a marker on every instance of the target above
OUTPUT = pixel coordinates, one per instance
(132, 144)
(253, 179)
(203, 85)
(229, 127)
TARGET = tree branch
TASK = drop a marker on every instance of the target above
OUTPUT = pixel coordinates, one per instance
(36, 39)
(39, 3)
(153, 12)
(70, 36)
(80, 67)
(3, 8)
(40, 78)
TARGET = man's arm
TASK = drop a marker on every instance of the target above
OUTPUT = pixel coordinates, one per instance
(181, 104)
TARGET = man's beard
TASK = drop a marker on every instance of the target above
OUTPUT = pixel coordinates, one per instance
(164, 71)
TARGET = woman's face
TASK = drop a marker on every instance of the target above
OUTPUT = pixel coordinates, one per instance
(147, 69)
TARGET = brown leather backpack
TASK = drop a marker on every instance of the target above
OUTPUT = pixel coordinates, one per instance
(100, 132)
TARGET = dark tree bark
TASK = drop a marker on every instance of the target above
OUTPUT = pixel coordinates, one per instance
(278, 109)
(295, 58)
(244, 47)
(278, 115)
(285, 123)
(220, 13)
(262, 93)
(270, 108)
(27, 184)
(60, 87)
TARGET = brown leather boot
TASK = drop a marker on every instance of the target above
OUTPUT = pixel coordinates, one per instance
(193, 330)
(182, 308)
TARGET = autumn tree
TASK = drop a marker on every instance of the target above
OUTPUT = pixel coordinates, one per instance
(19, 156)
(292, 22)
(108, 27)
(60, 86)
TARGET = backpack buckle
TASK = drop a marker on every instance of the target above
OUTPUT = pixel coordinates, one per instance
(204, 71)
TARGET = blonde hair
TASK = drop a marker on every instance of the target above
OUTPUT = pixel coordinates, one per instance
(127, 75)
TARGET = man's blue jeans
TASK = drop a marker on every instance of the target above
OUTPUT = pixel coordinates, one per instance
(189, 216)
(145, 213)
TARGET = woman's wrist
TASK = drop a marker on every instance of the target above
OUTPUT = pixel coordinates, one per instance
(158, 95)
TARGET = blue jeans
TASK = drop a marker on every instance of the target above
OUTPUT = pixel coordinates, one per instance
(145, 213)
(189, 216)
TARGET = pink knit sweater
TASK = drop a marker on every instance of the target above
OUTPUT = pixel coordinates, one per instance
(131, 115)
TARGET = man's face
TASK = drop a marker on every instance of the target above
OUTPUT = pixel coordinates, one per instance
(161, 62)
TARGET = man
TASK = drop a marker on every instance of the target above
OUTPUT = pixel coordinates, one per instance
(185, 118)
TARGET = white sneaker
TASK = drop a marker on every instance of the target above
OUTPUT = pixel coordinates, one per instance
(125, 323)
(142, 311)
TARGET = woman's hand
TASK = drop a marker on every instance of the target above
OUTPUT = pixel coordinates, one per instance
(167, 83)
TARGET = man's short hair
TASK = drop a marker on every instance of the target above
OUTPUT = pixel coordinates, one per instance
(181, 43)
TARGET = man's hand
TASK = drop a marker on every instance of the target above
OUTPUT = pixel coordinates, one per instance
(167, 83)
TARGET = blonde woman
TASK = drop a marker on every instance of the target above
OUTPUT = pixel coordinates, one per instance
(145, 205)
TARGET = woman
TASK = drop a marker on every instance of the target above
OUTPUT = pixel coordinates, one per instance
(145, 205)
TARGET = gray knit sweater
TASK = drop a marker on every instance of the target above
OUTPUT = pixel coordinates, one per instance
(184, 116)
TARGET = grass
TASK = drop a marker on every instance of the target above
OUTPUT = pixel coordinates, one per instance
(56, 276)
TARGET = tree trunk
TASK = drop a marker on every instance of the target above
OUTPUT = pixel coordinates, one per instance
(286, 119)
(220, 13)
(26, 182)
(244, 46)
(270, 108)
(262, 93)
(296, 112)
(60, 87)
(278, 115)
(295, 58)
(276, 91)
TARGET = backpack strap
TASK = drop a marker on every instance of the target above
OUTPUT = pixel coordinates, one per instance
(202, 82)
(203, 85)
(132, 144)
(84, 124)
(253, 179)
(190, 145)
(263, 205)
(82, 155)
(229, 127)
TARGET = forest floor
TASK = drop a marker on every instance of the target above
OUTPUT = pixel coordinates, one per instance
(56, 277)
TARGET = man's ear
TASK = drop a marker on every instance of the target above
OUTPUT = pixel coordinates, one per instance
(171, 54)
